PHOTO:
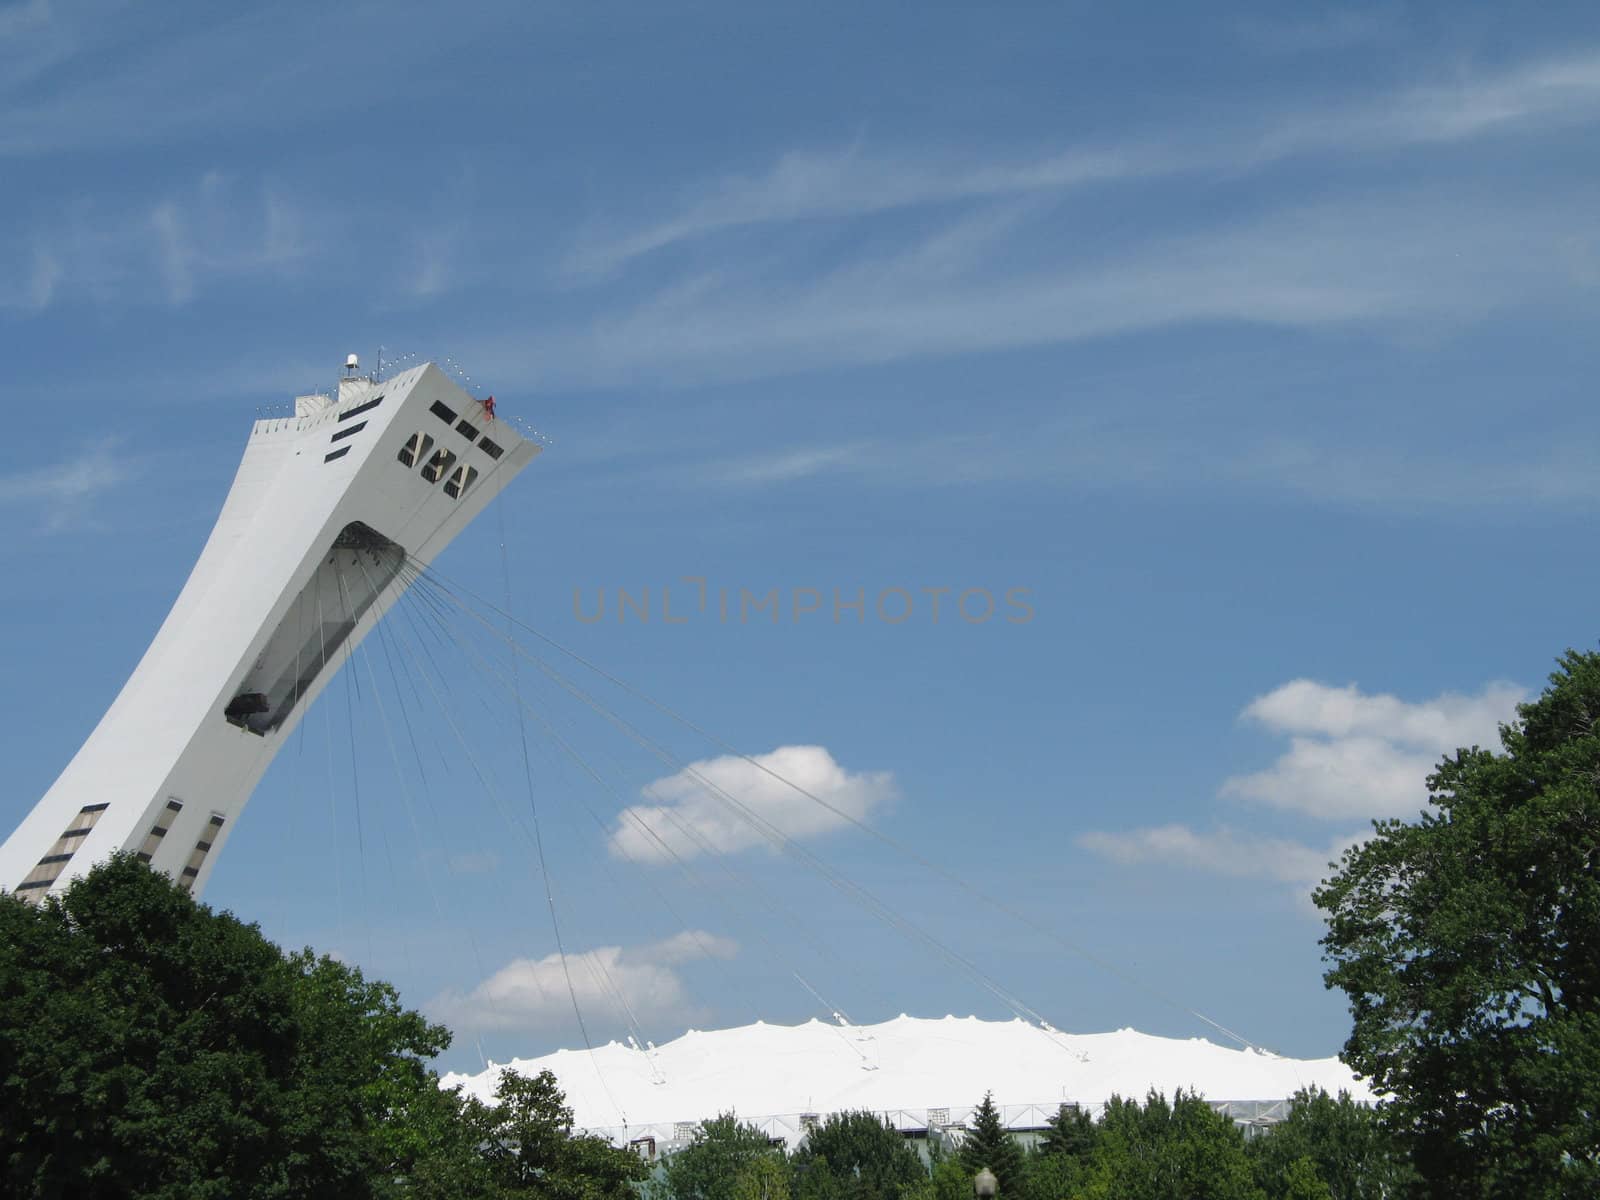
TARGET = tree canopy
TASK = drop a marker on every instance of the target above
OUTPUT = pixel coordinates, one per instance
(856, 1156)
(726, 1159)
(989, 1144)
(1338, 1140)
(1468, 943)
(1159, 1150)
(151, 1047)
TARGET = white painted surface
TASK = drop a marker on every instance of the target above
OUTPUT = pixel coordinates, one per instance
(903, 1068)
(165, 734)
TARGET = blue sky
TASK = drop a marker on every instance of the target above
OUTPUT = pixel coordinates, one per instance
(1256, 347)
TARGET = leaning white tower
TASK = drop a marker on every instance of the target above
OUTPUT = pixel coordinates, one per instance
(306, 557)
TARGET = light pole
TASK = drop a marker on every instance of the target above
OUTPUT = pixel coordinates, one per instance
(985, 1185)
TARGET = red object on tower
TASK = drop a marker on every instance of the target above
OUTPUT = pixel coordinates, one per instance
(488, 408)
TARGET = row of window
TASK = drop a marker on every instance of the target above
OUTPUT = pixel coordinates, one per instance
(465, 428)
(197, 858)
(152, 840)
(437, 464)
(49, 868)
(418, 447)
(347, 414)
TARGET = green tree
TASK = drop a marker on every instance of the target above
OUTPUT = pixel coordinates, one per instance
(1301, 1181)
(856, 1155)
(1160, 1150)
(1070, 1131)
(1468, 943)
(763, 1178)
(720, 1162)
(1343, 1140)
(947, 1180)
(152, 1047)
(1052, 1176)
(1057, 1168)
(534, 1152)
(989, 1144)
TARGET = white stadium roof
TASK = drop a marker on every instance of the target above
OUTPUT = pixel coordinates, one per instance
(914, 1071)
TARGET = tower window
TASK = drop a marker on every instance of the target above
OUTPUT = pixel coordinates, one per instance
(415, 449)
(152, 840)
(197, 858)
(351, 432)
(339, 453)
(38, 881)
(443, 411)
(468, 430)
(455, 487)
(492, 449)
(368, 406)
(441, 462)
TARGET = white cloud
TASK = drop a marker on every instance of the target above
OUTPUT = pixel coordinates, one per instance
(1352, 754)
(687, 817)
(1221, 852)
(532, 994)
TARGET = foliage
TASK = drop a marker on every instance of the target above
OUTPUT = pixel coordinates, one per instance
(1053, 1176)
(151, 1047)
(1059, 1165)
(855, 1156)
(1343, 1142)
(989, 1144)
(533, 1151)
(1070, 1132)
(948, 1180)
(1301, 1181)
(1163, 1150)
(1468, 943)
(763, 1178)
(725, 1160)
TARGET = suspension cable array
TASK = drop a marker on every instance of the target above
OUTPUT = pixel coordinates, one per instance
(541, 697)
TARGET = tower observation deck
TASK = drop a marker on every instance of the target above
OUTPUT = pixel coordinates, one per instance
(307, 555)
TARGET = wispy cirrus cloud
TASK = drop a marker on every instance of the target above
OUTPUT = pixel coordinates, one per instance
(1389, 259)
(1220, 852)
(188, 83)
(851, 182)
(855, 181)
(1181, 456)
(217, 229)
(62, 494)
(25, 17)
(1341, 29)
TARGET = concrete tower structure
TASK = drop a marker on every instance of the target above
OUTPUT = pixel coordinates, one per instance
(308, 554)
